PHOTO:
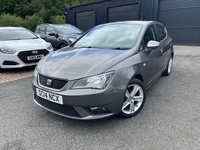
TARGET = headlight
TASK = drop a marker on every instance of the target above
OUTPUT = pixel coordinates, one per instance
(7, 51)
(35, 73)
(72, 40)
(63, 37)
(49, 47)
(94, 82)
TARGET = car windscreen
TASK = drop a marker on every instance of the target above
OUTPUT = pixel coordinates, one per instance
(16, 34)
(114, 36)
(67, 29)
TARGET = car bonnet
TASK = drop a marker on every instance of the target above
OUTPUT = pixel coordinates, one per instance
(24, 45)
(75, 63)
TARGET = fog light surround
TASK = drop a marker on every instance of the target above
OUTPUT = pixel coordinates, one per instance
(97, 110)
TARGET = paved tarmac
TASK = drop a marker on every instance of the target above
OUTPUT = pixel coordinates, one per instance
(187, 50)
(15, 74)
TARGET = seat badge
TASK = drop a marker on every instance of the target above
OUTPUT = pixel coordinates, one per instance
(48, 82)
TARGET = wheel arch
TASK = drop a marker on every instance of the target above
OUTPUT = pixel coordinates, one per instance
(139, 77)
(62, 43)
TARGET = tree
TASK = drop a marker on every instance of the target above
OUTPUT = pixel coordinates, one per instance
(30, 13)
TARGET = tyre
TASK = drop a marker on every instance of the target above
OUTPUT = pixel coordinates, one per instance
(134, 99)
(1, 70)
(168, 69)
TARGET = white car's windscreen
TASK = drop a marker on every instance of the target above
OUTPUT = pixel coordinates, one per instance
(16, 34)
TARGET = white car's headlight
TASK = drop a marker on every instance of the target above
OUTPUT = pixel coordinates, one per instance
(63, 38)
(94, 82)
(7, 51)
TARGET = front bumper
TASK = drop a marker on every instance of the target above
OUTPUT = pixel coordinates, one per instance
(19, 59)
(81, 103)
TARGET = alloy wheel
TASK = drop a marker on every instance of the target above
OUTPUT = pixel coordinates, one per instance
(134, 99)
(170, 65)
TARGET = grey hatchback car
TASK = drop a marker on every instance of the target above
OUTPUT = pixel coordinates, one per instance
(106, 72)
(59, 35)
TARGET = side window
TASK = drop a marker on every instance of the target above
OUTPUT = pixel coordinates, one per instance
(161, 32)
(49, 30)
(149, 35)
(142, 46)
(41, 30)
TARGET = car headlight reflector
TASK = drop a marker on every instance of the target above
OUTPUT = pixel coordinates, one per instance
(7, 51)
(94, 82)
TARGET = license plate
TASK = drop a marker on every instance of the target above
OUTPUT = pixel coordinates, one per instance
(34, 57)
(49, 96)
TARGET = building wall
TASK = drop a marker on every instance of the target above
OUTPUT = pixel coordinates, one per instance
(181, 17)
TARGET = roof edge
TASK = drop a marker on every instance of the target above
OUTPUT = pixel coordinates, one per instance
(99, 1)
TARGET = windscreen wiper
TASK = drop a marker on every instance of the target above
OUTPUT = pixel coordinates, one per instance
(121, 48)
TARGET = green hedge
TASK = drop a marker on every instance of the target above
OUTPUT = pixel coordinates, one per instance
(30, 22)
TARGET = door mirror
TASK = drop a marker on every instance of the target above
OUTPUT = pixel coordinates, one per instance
(152, 45)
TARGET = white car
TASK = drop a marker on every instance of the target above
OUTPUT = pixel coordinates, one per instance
(19, 48)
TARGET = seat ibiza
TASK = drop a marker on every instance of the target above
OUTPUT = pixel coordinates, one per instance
(106, 72)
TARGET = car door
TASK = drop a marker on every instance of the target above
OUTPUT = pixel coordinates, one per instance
(52, 39)
(166, 42)
(151, 60)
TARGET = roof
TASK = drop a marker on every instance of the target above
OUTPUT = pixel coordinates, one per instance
(53, 24)
(11, 28)
(129, 22)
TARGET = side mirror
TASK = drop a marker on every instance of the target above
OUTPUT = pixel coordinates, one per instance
(152, 45)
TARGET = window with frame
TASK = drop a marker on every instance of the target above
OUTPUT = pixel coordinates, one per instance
(150, 35)
(161, 32)
(41, 30)
(49, 30)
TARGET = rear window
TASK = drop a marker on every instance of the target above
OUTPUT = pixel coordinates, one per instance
(41, 30)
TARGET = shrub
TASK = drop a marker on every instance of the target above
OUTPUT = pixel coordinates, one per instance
(58, 19)
(10, 20)
(31, 22)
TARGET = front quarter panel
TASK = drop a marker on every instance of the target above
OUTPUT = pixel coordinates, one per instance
(129, 68)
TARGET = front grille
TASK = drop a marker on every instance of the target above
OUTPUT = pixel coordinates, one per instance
(23, 55)
(62, 109)
(51, 83)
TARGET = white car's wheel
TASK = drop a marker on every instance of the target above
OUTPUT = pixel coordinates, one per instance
(1, 70)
